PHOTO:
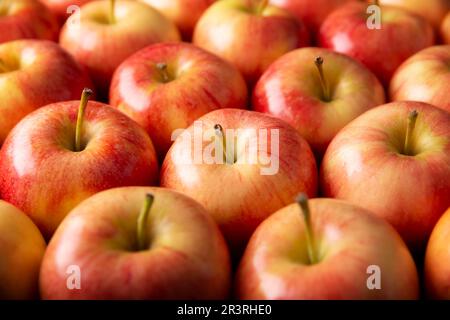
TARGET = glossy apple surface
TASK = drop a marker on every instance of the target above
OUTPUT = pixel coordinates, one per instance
(366, 164)
(239, 195)
(34, 73)
(424, 77)
(21, 249)
(102, 43)
(348, 240)
(382, 50)
(26, 19)
(185, 258)
(291, 90)
(193, 83)
(445, 29)
(437, 260)
(41, 174)
(184, 13)
(249, 34)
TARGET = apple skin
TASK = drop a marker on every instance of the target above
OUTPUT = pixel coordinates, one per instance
(26, 19)
(23, 89)
(102, 46)
(433, 11)
(445, 29)
(238, 210)
(364, 164)
(424, 77)
(21, 249)
(382, 50)
(42, 175)
(290, 89)
(187, 257)
(349, 239)
(250, 41)
(176, 10)
(200, 82)
(311, 12)
(437, 260)
(59, 7)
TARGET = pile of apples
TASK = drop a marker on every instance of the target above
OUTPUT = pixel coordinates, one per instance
(97, 202)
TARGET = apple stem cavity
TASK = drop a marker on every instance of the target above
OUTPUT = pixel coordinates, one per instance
(3, 67)
(302, 201)
(412, 117)
(162, 67)
(112, 11)
(323, 81)
(142, 241)
(81, 109)
(262, 5)
(220, 134)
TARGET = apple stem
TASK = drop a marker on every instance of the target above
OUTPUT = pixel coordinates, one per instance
(302, 200)
(220, 134)
(261, 6)
(112, 11)
(3, 67)
(323, 81)
(81, 109)
(162, 67)
(376, 2)
(412, 117)
(142, 222)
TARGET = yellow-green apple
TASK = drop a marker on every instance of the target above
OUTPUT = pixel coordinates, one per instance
(249, 33)
(424, 77)
(108, 32)
(433, 11)
(34, 73)
(395, 161)
(21, 250)
(26, 19)
(184, 13)
(167, 86)
(318, 92)
(242, 166)
(401, 34)
(445, 29)
(63, 153)
(437, 260)
(137, 243)
(311, 12)
(62, 9)
(330, 253)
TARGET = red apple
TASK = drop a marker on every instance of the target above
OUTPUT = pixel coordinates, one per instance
(35, 73)
(255, 165)
(249, 33)
(21, 250)
(184, 13)
(54, 159)
(424, 77)
(167, 248)
(318, 100)
(445, 29)
(61, 8)
(329, 254)
(167, 86)
(26, 19)
(395, 161)
(311, 12)
(437, 260)
(109, 32)
(382, 50)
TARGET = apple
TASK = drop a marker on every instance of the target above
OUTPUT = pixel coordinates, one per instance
(437, 260)
(167, 86)
(311, 12)
(65, 152)
(26, 19)
(137, 243)
(242, 166)
(382, 50)
(109, 32)
(395, 161)
(424, 77)
(21, 250)
(318, 92)
(35, 73)
(62, 8)
(330, 253)
(433, 11)
(445, 29)
(249, 34)
(184, 13)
